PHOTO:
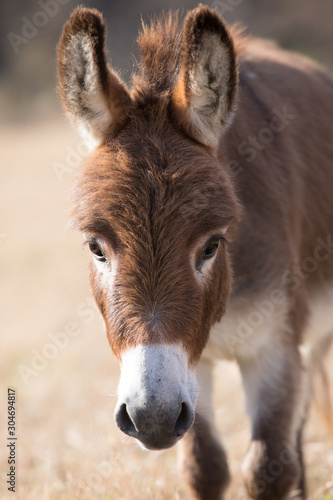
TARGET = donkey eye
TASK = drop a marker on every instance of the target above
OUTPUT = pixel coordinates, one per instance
(208, 251)
(97, 251)
(211, 248)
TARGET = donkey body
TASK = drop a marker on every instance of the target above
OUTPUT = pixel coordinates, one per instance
(206, 204)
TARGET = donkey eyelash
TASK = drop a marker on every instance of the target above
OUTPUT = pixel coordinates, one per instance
(90, 238)
(87, 241)
(218, 236)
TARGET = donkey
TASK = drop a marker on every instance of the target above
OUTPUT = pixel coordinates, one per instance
(206, 203)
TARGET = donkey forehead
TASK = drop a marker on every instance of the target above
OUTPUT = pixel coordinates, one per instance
(150, 182)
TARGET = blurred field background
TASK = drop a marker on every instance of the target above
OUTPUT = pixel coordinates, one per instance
(68, 445)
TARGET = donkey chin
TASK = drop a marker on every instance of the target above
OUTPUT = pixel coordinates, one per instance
(157, 395)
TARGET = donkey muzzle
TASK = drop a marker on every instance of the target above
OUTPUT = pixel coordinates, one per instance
(155, 428)
(156, 395)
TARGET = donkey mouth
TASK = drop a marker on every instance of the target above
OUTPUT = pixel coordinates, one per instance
(157, 442)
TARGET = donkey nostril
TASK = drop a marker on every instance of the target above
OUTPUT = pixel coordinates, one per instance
(124, 421)
(184, 420)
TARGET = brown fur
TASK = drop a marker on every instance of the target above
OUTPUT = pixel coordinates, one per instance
(158, 184)
(154, 233)
(156, 57)
(204, 465)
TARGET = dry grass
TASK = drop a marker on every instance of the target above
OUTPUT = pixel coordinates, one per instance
(68, 445)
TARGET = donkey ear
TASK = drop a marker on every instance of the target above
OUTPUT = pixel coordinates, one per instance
(204, 96)
(92, 94)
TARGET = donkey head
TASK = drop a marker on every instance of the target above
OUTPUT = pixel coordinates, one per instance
(155, 205)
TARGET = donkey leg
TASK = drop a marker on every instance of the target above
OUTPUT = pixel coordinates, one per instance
(202, 458)
(301, 487)
(273, 381)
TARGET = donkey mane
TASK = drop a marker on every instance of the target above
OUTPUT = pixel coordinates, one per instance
(160, 47)
(161, 50)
